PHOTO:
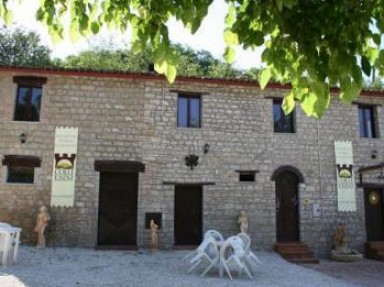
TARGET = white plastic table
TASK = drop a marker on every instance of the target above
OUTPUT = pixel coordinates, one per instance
(10, 236)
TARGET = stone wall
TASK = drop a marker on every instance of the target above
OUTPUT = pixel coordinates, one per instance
(135, 119)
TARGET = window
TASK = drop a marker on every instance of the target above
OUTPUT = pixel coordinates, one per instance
(19, 174)
(367, 122)
(21, 168)
(247, 175)
(282, 123)
(188, 111)
(28, 98)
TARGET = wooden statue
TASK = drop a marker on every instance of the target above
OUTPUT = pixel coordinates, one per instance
(41, 223)
(243, 221)
(154, 236)
(340, 237)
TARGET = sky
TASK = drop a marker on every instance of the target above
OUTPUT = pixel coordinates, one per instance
(209, 37)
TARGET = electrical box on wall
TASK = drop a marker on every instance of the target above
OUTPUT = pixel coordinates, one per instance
(315, 210)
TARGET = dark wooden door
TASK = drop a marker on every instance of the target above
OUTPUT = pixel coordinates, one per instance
(287, 214)
(374, 214)
(188, 215)
(117, 209)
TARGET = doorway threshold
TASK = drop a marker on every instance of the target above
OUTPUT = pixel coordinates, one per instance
(117, 247)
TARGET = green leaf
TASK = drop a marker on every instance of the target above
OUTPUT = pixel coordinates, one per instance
(280, 4)
(229, 54)
(95, 28)
(308, 104)
(161, 68)
(376, 39)
(366, 66)
(258, 38)
(231, 16)
(231, 38)
(349, 93)
(289, 103)
(171, 73)
(8, 16)
(265, 76)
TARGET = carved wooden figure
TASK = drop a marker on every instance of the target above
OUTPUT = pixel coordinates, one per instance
(154, 236)
(41, 223)
(243, 221)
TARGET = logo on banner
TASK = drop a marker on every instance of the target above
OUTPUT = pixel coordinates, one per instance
(64, 166)
(345, 176)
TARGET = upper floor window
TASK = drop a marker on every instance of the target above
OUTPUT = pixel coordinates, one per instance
(28, 98)
(188, 111)
(282, 123)
(367, 122)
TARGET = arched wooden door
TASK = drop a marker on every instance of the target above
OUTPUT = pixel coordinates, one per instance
(287, 211)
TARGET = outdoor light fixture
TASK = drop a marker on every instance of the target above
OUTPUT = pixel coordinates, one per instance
(374, 154)
(23, 138)
(206, 148)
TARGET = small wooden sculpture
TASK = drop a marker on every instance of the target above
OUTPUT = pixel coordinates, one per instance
(243, 221)
(154, 236)
(340, 238)
(41, 223)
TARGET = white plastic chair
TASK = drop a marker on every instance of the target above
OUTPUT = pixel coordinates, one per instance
(233, 254)
(209, 254)
(252, 258)
(216, 235)
(9, 243)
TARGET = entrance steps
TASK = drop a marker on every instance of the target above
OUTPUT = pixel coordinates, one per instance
(374, 250)
(295, 252)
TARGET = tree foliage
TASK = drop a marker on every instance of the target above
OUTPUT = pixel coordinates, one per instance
(21, 48)
(191, 63)
(311, 44)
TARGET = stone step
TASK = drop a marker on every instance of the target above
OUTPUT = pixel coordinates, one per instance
(306, 260)
(295, 252)
(291, 246)
(376, 244)
(374, 250)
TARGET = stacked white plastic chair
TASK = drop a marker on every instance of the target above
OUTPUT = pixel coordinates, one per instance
(9, 242)
(207, 252)
(209, 234)
(215, 235)
(233, 255)
(252, 258)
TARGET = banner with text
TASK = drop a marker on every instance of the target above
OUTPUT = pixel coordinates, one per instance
(64, 167)
(346, 197)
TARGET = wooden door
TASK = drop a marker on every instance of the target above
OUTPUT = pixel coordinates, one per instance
(188, 215)
(374, 214)
(117, 209)
(287, 213)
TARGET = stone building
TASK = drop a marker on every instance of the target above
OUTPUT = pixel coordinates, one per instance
(191, 155)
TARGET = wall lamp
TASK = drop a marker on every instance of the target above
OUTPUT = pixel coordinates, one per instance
(206, 148)
(23, 137)
(374, 154)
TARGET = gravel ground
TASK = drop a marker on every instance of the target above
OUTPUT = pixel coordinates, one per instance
(367, 273)
(80, 267)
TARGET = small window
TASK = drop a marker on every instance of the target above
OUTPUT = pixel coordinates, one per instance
(247, 175)
(18, 174)
(282, 123)
(188, 111)
(244, 176)
(367, 122)
(28, 98)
